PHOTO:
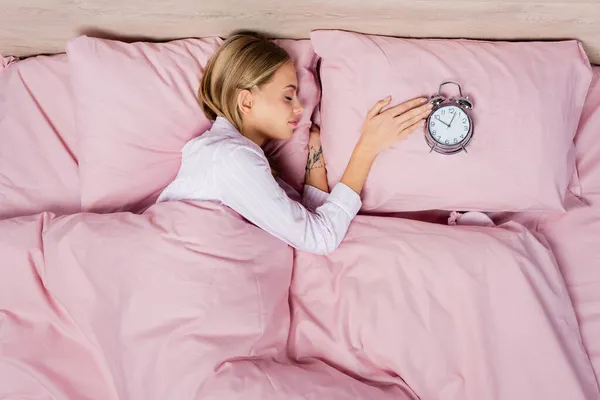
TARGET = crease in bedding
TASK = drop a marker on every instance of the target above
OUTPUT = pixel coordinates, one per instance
(6, 61)
(38, 139)
(152, 308)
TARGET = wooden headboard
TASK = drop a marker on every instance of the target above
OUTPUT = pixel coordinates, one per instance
(30, 27)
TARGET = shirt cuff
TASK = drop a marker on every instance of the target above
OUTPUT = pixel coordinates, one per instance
(313, 197)
(345, 198)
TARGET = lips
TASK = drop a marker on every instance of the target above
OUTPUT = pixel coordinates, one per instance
(293, 123)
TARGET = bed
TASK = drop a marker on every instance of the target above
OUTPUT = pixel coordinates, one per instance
(106, 295)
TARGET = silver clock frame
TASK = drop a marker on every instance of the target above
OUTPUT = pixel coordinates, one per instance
(438, 101)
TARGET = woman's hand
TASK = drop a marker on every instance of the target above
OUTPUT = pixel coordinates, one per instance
(316, 174)
(382, 128)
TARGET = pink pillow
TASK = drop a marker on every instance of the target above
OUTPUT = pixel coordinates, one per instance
(38, 160)
(527, 103)
(136, 107)
(587, 143)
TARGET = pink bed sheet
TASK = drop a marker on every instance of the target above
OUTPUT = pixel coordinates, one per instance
(38, 161)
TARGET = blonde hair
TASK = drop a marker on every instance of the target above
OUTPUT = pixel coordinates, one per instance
(241, 63)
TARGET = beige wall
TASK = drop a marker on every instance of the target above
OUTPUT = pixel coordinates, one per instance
(42, 26)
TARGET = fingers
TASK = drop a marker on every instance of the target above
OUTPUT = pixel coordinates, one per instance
(408, 105)
(378, 107)
(410, 129)
(412, 117)
(425, 108)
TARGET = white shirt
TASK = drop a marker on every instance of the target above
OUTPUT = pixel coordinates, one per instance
(224, 166)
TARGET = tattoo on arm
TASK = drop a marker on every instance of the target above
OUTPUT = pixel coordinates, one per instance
(315, 159)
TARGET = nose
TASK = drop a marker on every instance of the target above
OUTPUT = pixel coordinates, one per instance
(298, 109)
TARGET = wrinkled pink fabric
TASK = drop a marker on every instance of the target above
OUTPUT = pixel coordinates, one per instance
(146, 306)
(187, 301)
(6, 61)
(136, 306)
(575, 237)
(587, 143)
(38, 160)
(272, 380)
(575, 241)
(464, 313)
(521, 157)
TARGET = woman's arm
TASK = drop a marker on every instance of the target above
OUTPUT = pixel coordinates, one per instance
(316, 174)
(380, 130)
(247, 186)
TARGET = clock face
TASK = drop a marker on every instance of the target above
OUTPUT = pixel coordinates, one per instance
(449, 125)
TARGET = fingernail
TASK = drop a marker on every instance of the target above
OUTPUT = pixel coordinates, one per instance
(388, 98)
(424, 100)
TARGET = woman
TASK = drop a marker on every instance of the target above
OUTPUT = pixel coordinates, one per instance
(249, 90)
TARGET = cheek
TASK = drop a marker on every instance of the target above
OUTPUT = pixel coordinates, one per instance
(276, 110)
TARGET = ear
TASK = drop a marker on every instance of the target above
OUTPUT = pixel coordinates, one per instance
(244, 101)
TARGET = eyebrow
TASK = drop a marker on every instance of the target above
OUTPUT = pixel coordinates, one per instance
(292, 86)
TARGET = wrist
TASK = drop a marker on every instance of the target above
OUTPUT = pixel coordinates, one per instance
(364, 150)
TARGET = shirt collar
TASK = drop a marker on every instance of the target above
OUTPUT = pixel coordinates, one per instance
(222, 124)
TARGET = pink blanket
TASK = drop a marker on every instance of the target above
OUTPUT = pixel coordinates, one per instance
(575, 240)
(189, 301)
(464, 313)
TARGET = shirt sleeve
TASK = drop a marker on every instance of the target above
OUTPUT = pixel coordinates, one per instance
(313, 197)
(288, 189)
(248, 187)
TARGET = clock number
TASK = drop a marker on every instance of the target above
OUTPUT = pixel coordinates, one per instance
(462, 136)
(443, 112)
(433, 131)
(452, 111)
(447, 142)
(439, 138)
(465, 128)
(464, 120)
(455, 140)
(432, 123)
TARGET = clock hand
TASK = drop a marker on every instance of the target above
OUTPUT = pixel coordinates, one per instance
(452, 119)
(439, 119)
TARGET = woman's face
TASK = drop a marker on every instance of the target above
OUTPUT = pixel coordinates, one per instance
(274, 110)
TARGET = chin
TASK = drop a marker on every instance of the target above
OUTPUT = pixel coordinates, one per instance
(286, 134)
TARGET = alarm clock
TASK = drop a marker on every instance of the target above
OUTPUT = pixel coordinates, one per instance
(449, 126)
